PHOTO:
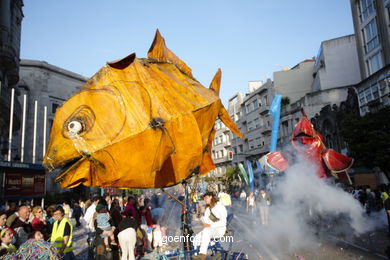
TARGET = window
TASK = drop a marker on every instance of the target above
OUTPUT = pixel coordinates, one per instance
(251, 144)
(371, 36)
(54, 107)
(257, 122)
(366, 9)
(258, 142)
(368, 94)
(235, 150)
(250, 126)
(237, 116)
(241, 148)
(249, 108)
(255, 103)
(375, 63)
(388, 12)
(265, 100)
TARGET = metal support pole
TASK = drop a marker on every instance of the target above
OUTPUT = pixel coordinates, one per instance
(44, 131)
(186, 221)
(23, 128)
(11, 121)
(35, 130)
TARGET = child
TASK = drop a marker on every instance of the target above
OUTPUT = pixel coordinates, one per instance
(37, 235)
(6, 239)
(102, 219)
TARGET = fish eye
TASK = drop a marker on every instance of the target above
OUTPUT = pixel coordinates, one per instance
(75, 127)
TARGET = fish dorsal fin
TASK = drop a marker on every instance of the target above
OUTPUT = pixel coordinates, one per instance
(216, 82)
(122, 63)
(159, 51)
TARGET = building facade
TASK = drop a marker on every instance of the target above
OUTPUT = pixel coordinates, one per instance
(11, 15)
(47, 87)
(371, 21)
(254, 122)
(335, 71)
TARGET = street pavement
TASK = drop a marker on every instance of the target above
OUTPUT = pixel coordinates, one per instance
(370, 246)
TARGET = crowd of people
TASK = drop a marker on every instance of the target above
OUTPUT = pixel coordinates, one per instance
(24, 224)
(108, 217)
(136, 223)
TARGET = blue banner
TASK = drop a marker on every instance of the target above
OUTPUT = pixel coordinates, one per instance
(274, 110)
(260, 171)
(250, 173)
(258, 168)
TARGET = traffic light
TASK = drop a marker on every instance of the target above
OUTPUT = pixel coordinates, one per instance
(230, 155)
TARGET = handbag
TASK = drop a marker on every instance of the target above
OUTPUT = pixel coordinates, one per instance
(212, 217)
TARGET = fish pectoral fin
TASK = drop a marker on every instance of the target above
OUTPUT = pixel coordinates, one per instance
(277, 161)
(336, 162)
(207, 161)
(225, 118)
(164, 149)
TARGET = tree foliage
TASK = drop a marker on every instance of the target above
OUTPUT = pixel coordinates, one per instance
(368, 138)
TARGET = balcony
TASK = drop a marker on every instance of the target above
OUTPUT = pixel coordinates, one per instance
(266, 129)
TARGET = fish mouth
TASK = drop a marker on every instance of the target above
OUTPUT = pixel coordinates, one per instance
(302, 134)
(67, 167)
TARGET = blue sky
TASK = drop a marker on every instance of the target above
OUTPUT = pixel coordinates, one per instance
(247, 39)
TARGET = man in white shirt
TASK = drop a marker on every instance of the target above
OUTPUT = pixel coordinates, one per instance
(88, 217)
(214, 224)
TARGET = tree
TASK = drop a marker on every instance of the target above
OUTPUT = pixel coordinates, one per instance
(368, 138)
(232, 177)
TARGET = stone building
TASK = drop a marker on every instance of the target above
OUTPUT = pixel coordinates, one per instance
(335, 71)
(371, 21)
(254, 122)
(45, 87)
(11, 15)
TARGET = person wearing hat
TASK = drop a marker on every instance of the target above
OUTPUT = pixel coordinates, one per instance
(214, 224)
(6, 246)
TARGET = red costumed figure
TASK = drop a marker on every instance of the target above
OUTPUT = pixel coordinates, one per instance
(307, 142)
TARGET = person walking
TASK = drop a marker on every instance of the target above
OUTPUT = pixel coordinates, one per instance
(61, 236)
(251, 203)
(67, 210)
(127, 236)
(77, 213)
(264, 202)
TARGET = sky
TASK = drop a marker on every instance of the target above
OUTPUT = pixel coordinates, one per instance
(247, 39)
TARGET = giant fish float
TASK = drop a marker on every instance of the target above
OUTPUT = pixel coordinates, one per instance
(309, 144)
(137, 123)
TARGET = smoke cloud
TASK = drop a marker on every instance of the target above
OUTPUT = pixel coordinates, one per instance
(304, 210)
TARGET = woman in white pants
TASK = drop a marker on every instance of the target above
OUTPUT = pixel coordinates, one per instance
(214, 225)
(127, 237)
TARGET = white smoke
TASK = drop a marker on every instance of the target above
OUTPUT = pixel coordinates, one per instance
(305, 208)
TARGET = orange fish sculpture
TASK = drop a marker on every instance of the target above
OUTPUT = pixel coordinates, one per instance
(137, 123)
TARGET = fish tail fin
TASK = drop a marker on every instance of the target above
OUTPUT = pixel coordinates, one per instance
(225, 118)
